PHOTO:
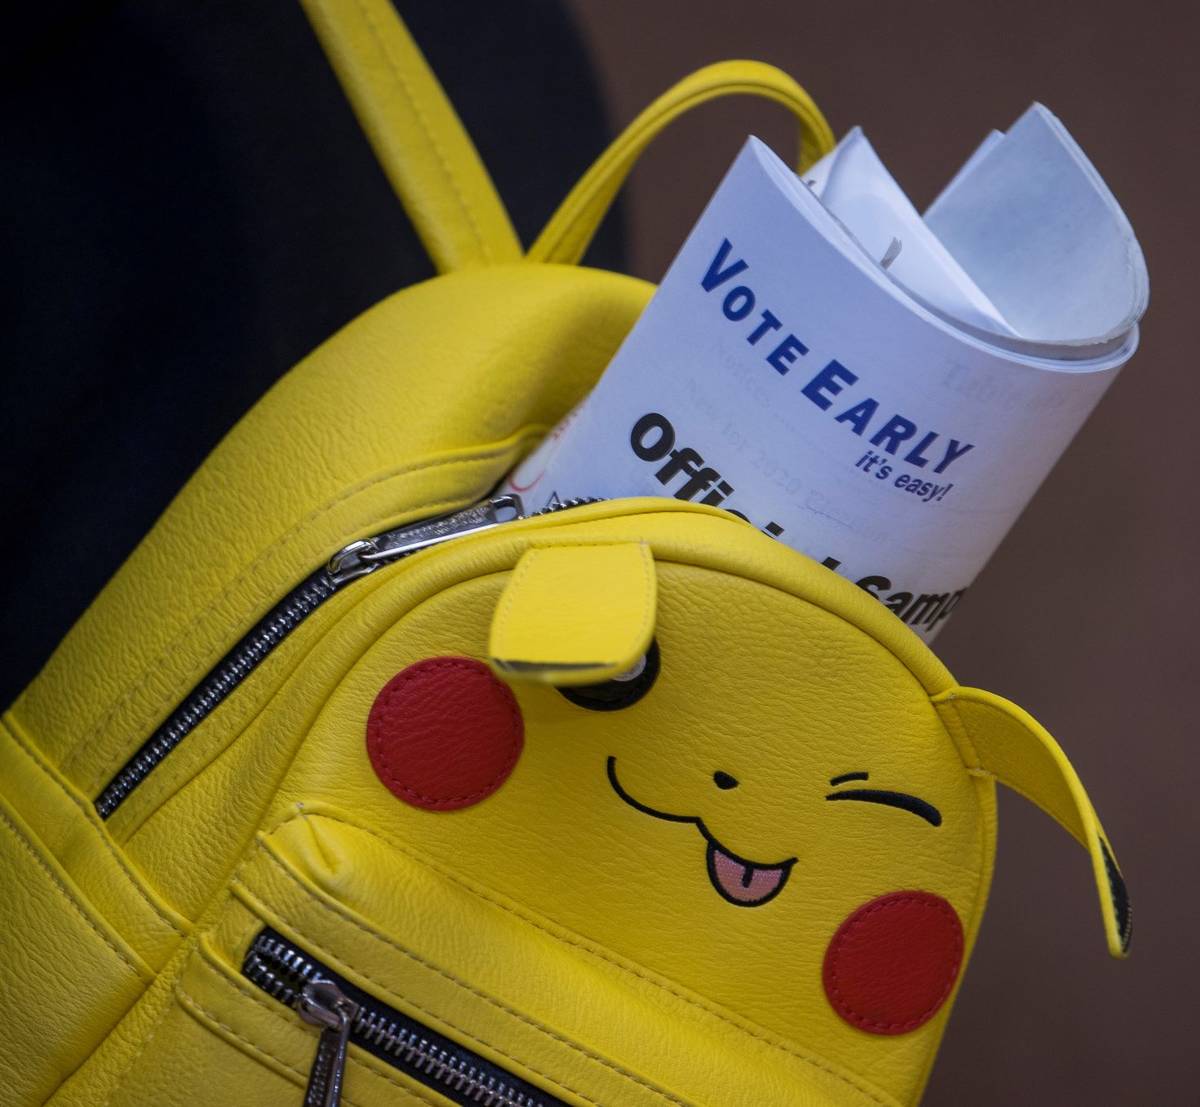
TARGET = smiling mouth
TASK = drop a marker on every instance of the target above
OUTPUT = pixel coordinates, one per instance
(738, 881)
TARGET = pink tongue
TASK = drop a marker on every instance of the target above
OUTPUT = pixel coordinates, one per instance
(740, 882)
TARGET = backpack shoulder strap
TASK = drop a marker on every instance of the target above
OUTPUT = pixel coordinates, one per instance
(437, 172)
(571, 228)
(416, 134)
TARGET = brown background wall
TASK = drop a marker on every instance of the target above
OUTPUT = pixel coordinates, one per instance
(1087, 615)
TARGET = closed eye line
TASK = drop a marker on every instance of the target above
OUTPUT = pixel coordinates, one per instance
(901, 800)
(849, 776)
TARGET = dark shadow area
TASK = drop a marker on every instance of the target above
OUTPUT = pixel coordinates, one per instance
(191, 208)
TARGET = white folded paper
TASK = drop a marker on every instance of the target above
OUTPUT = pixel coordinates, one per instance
(881, 391)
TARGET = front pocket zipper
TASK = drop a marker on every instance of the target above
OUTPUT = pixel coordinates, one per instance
(348, 1016)
(346, 566)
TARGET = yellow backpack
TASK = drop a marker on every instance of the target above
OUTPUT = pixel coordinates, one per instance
(355, 785)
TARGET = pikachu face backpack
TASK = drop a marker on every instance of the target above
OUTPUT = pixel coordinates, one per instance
(355, 785)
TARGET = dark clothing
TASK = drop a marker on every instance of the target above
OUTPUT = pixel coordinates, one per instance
(191, 209)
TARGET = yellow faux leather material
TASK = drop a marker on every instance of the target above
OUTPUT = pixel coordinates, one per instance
(588, 874)
(66, 968)
(575, 616)
(1007, 743)
(692, 890)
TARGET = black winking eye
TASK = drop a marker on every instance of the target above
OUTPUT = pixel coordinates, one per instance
(624, 691)
(902, 800)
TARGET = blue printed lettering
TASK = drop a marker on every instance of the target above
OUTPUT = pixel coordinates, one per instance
(953, 452)
(769, 323)
(738, 303)
(830, 379)
(896, 430)
(718, 276)
(653, 438)
(916, 456)
(780, 359)
(859, 415)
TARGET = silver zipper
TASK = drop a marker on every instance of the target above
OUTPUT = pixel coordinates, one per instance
(365, 556)
(348, 1016)
(323, 1004)
(353, 561)
(358, 559)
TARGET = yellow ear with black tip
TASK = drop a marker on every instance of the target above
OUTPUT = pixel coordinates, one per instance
(575, 614)
(1008, 744)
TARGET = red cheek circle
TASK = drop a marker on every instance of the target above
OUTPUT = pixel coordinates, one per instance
(444, 733)
(893, 962)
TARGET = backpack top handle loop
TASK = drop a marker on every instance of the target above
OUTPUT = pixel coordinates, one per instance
(416, 134)
(570, 230)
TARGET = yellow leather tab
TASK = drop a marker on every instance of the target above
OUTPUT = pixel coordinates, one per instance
(417, 136)
(571, 228)
(1008, 744)
(575, 614)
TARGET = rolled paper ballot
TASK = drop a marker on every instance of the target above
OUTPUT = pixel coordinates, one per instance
(881, 391)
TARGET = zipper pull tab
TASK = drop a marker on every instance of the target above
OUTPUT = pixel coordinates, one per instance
(368, 554)
(324, 1004)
